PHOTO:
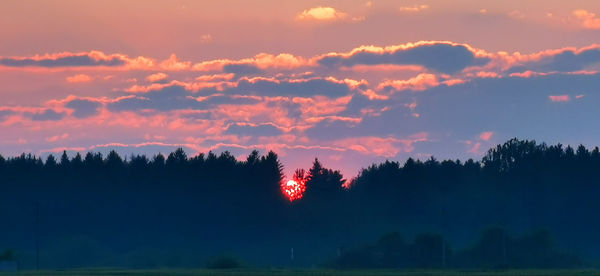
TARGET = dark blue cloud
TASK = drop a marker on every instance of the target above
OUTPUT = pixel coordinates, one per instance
(305, 88)
(83, 108)
(509, 106)
(174, 97)
(168, 98)
(5, 113)
(47, 115)
(66, 61)
(441, 57)
(242, 69)
(567, 61)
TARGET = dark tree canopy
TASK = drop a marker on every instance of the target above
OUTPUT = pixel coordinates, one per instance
(129, 211)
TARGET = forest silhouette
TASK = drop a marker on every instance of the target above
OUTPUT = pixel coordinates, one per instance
(524, 205)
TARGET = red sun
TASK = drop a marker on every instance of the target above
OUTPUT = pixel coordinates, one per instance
(294, 189)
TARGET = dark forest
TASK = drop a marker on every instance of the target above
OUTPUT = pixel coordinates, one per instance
(524, 205)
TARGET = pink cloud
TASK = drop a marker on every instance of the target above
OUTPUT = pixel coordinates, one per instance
(79, 78)
(414, 8)
(61, 149)
(527, 74)
(57, 137)
(372, 95)
(321, 105)
(355, 120)
(378, 146)
(475, 147)
(560, 98)
(374, 111)
(486, 136)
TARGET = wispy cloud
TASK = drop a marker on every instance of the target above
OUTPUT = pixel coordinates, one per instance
(414, 8)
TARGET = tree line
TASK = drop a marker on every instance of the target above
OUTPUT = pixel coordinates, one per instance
(176, 210)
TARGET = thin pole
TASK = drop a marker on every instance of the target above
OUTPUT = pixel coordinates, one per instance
(37, 236)
(443, 253)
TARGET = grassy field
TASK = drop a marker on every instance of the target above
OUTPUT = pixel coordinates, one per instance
(312, 272)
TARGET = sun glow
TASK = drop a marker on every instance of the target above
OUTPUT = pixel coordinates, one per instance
(294, 189)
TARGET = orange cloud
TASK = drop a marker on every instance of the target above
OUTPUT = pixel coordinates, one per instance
(260, 61)
(321, 14)
(216, 77)
(174, 64)
(587, 19)
(372, 95)
(79, 78)
(418, 83)
(156, 77)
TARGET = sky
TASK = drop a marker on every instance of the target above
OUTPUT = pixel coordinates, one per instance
(350, 82)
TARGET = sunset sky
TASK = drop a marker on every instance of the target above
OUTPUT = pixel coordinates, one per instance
(350, 82)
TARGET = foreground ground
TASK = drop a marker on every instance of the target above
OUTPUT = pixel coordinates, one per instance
(311, 272)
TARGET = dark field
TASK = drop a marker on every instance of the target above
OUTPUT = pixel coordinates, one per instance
(324, 272)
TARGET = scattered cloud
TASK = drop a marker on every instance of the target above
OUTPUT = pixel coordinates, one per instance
(445, 57)
(156, 77)
(321, 14)
(319, 103)
(588, 20)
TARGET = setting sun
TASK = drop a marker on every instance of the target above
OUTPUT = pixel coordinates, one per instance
(294, 189)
